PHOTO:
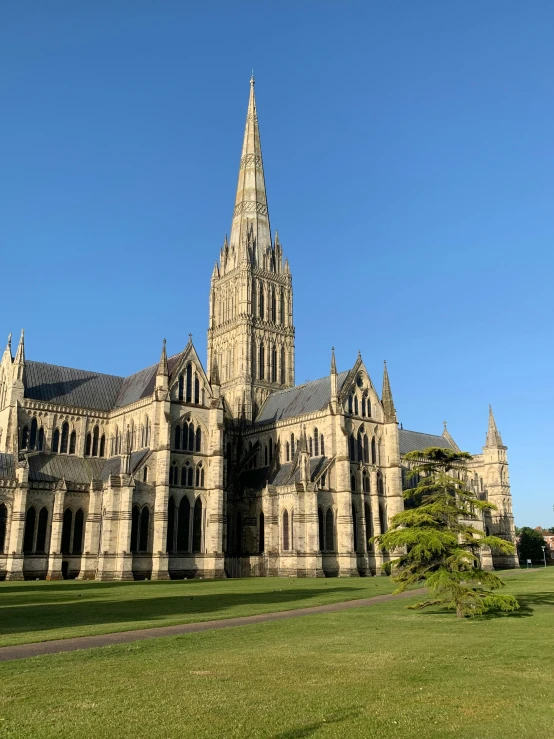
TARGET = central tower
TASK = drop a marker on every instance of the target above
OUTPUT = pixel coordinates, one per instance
(251, 332)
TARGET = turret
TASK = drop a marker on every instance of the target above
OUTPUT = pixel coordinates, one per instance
(162, 373)
(19, 361)
(386, 398)
(304, 459)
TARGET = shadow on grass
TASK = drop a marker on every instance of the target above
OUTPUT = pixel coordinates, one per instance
(36, 617)
(527, 603)
(304, 731)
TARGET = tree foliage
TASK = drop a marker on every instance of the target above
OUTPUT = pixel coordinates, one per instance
(530, 544)
(436, 542)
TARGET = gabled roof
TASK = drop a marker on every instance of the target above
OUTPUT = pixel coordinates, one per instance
(412, 441)
(297, 401)
(82, 389)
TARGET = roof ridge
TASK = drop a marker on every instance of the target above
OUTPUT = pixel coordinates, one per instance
(75, 369)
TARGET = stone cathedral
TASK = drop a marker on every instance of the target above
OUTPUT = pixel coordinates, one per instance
(229, 470)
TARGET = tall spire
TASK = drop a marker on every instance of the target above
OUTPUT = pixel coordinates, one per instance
(386, 398)
(333, 363)
(493, 434)
(251, 217)
(20, 354)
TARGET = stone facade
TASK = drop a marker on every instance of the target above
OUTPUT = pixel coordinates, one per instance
(171, 473)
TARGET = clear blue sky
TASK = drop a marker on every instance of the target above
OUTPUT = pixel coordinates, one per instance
(408, 150)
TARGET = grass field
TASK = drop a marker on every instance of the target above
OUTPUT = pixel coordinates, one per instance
(39, 611)
(379, 672)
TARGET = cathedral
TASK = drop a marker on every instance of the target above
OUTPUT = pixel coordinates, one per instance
(228, 470)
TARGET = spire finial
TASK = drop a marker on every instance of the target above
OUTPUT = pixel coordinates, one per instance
(20, 354)
(252, 80)
(444, 424)
(190, 338)
(386, 397)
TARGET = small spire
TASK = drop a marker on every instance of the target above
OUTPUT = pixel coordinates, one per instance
(359, 355)
(214, 372)
(303, 442)
(20, 354)
(9, 340)
(493, 435)
(8, 349)
(190, 338)
(386, 397)
(333, 363)
(162, 366)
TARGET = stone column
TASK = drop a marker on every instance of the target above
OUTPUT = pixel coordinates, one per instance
(55, 549)
(91, 543)
(376, 556)
(124, 558)
(15, 559)
(346, 557)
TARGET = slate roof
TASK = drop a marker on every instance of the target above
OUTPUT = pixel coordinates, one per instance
(7, 467)
(282, 476)
(55, 467)
(411, 441)
(94, 390)
(299, 400)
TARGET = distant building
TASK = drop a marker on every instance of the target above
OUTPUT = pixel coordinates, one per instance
(548, 537)
(178, 471)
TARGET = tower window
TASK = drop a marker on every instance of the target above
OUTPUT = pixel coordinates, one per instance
(261, 362)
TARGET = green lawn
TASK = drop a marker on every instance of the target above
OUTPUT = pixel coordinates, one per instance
(376, 672)
(40, 611)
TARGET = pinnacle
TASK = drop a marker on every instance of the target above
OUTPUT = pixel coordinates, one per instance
(386, 397)
(162, 366)
(333, 363)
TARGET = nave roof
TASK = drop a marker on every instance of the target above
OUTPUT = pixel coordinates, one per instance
(297, 401)
(51, 383)
(412, 441)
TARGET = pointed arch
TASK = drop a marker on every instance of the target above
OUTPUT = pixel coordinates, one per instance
(321, 529)
(181, 387)
(366, 449)
(88, 445)
(25, 437)
(274, 364)
(373, 452)
(40, 440)
(329, 530)
(78, 529)
(33, 434)
(286, 530)
(316, 442)
(198, 439)
(189, 383)
(261, 362)
(144, 529)
(65, 438)
(322, 444)
(282, 307)
(261, 311)
(95, 440)
(283, 367)
(29, 533)
(66, 530)
(56, 441)
(368, 526)
(72, 442)
(191, 437)
(273, 306)
(41, 530)
(196, 389)
(183, 525)
(102, 452)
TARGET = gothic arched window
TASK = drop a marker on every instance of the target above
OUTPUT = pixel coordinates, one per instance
(40, 441)
(322, 445)
(368, 527)
(329, 531)
(144, 529)
(287, 452)
(41, 531)
(355, 527)
(25, 437)
(282, 307)
(73, 442)
(65, 438)
(285, 530)
(292, 446)
(198, 439)
(316, 443)
(78, 532)
(183, 525)
(366, 449)
(135, 519)
(56, 441)
(273, 364)
(191, 437)
(321, 529)
(262, 310)
(181, 386)
(29, 533)
(261, 362)
(353, 483)
(363, 406)
(189, 383)
(88, 445)
(95, 439)
(373, 452)
(196, 390)
(273, 306)
(283, 370)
